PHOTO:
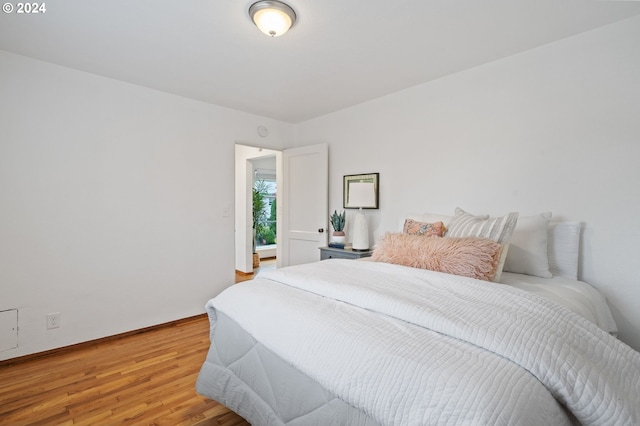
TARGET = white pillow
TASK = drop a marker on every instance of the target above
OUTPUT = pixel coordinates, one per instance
(498, 229)
(528, 248)
(564, 249)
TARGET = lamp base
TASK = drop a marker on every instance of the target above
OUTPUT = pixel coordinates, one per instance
(360, 233)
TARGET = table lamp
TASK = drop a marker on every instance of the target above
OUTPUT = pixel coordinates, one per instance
(361, 194)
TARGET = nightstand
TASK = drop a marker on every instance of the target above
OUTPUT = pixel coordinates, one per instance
(346, 253)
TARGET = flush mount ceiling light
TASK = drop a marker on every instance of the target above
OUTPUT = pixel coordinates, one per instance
(273, 18)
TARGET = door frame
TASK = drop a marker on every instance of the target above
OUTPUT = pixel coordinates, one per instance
(243, 202)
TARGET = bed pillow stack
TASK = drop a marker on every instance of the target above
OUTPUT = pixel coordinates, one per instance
(474, 245)
(534, 246)
(451, 255)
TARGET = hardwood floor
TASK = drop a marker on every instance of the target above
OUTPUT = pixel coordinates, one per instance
(147, 378)
(269, 263)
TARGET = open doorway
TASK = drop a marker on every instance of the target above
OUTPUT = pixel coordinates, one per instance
(301, 198)
(260, 167)
(265, 207)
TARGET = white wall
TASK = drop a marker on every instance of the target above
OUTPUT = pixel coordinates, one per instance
(555, 128)
(111, 202)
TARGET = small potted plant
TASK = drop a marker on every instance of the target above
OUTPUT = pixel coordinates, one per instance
(338, 221)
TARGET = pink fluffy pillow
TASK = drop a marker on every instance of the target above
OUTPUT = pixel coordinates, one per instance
(469, 257)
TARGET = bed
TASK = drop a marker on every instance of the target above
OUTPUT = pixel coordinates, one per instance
(344, 342)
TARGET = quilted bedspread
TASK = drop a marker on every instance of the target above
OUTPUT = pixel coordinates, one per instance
(415, 347)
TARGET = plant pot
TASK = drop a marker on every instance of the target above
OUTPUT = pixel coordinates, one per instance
(256, 260)
(338, 237)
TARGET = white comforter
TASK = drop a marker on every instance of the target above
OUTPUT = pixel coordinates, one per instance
(415, 347)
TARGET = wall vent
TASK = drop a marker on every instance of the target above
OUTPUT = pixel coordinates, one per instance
(8, 329)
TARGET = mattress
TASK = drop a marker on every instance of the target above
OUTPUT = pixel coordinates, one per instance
(251, 380)
(324, 344)
(578, 296)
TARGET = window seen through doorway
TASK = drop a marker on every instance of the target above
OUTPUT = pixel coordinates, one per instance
(266, 232)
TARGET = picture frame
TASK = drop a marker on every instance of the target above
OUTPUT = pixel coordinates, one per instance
(361, 178)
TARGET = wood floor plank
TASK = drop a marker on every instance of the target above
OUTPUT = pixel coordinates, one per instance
(143, 378)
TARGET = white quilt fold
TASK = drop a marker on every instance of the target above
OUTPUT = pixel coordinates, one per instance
(445, 349)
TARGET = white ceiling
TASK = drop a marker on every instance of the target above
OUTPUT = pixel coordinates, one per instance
(339, 53)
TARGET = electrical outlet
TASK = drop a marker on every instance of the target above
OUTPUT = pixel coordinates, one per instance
(53, 320)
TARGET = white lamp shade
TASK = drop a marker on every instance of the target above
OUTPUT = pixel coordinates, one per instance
(362, 194)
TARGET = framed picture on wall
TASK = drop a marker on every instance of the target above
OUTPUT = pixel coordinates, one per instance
(361, 191)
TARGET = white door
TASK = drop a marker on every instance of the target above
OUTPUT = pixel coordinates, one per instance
(305, 196)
